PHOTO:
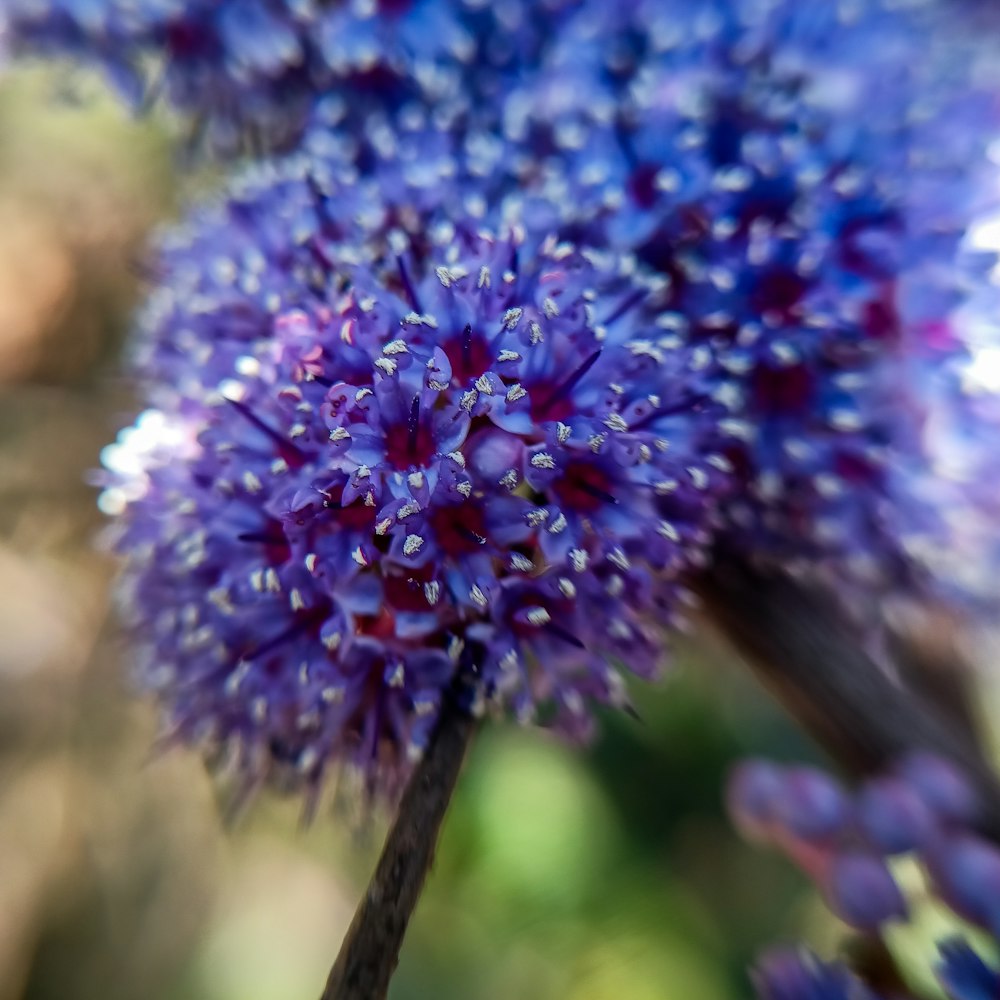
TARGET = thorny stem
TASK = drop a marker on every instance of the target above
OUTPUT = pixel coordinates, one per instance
(804, 651)
(370, 951)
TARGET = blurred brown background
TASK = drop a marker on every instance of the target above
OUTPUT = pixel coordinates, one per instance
(608, 874)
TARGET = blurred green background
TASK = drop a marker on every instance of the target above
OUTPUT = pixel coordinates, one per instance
(603, 874)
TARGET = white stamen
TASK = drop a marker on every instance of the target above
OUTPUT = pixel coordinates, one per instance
(412, 545)
(538, 617)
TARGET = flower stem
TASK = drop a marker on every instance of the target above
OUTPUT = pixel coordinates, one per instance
(811, 659)
(370, 951)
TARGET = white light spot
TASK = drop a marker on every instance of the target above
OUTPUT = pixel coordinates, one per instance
(983, 373)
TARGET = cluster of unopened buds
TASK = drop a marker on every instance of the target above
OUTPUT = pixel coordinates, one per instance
(923, 809)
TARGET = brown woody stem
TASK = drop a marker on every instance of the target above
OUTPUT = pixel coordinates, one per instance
(370, 951)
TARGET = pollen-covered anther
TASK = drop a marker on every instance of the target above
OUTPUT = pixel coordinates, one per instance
(668, 531)
(699, 478)
(537, 616)
(509, 480)
(521, 563)
(412, 544)
(512, 317)
(537, 517)
(618, 558)
(543, 460)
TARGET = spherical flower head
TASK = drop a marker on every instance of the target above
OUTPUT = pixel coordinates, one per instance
(483, 463)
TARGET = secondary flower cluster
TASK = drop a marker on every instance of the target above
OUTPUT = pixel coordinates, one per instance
(791, 975)
(923, 808)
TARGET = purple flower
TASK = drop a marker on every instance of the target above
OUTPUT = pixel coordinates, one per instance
(965, 870)
(861, 891)
(894, 817)
(753, 797)
(358, 482)
(784, 974)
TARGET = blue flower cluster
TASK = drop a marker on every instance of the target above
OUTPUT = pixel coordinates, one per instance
(532, 306)
(925, 809)
(464, 457)
(544, 300)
